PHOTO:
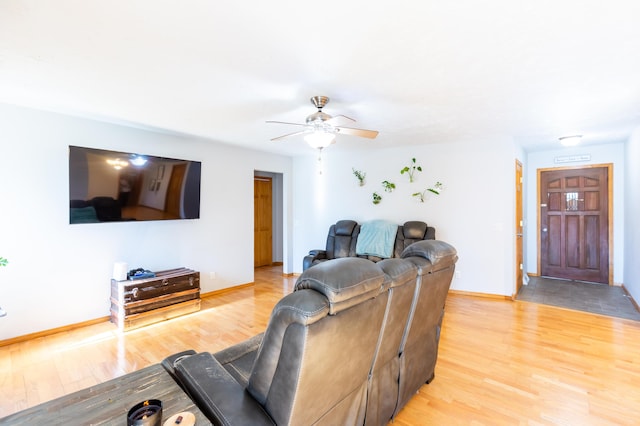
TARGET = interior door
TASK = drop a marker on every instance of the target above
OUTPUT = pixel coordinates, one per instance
(174, 190)
(519, 228)
(262, 218)
(574, 224)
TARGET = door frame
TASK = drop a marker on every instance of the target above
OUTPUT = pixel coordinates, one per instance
(269, 184)
(609, 167)
(519, 226)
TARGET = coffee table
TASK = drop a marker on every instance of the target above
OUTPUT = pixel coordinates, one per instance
(109, 402)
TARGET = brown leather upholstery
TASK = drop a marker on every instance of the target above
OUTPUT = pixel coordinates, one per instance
(341, 242)
(342, 239)
(349, 346)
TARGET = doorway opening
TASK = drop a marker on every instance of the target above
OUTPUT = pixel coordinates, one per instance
(268, 219)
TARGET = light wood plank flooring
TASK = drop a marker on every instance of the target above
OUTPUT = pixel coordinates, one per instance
(500, 362)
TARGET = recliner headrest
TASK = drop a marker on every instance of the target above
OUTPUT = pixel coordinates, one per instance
(345, 282)
(345, 227)
(414, 230)
(439, 253)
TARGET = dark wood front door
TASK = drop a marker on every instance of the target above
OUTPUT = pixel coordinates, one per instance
(574, 224)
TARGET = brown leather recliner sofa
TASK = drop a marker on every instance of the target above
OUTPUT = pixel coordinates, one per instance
(349, 346)
(342, 239)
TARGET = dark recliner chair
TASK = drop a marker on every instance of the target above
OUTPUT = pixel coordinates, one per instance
(343, 238)
(312, 363)
(412, 232)
(418, 352)
(341, 242)
(350, 346)
(107, 208)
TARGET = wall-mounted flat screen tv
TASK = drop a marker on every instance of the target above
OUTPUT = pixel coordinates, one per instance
(111, 186)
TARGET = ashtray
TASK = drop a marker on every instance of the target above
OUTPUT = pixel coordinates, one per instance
(145, 413)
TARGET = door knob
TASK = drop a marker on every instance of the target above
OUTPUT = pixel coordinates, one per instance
(544, 229)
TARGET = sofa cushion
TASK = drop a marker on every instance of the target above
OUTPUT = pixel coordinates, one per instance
(344, 282)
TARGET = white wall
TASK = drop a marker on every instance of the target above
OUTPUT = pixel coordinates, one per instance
(600, 154)
(632, 217)
(59, 274)
(475, 213)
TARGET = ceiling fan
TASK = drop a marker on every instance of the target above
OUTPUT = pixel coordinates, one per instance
(320, 129)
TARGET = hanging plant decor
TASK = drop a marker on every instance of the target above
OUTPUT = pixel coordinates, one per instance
(360, 175)
(424, 195)
(376, 198)
(411, 169)
(388, 186)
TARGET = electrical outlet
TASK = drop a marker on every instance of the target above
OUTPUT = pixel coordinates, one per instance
(212, 275)
(458, 275)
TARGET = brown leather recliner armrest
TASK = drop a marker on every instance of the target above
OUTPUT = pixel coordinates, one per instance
(217, 394)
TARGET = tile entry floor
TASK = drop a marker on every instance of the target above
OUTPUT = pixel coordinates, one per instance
(581, 296)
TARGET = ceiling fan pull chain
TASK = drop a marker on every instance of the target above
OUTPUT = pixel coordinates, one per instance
(319, 161)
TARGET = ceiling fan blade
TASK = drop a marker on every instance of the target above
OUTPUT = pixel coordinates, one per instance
(284, 122)
(289, 134)
(333, 119)
(371, 134)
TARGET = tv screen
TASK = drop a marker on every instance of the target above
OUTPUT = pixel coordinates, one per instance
(111, 186)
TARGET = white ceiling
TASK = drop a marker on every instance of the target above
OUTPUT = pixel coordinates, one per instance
(419, 71)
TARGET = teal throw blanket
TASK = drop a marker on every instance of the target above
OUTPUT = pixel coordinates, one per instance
(377, 238)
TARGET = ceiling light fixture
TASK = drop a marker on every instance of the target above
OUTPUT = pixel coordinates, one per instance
(320, 128)
(570, 140)
(320, 139)
(117, 163)
(138, 160)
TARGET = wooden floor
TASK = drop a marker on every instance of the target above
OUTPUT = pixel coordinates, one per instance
(500, 362)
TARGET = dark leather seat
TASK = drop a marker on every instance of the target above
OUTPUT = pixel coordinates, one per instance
(341, 242)
(312, 363)
(412, 232)
(342, 239)
(435, 261)
(107, 208)
(349, 346)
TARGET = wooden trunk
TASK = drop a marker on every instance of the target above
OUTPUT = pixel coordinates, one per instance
(171, 293)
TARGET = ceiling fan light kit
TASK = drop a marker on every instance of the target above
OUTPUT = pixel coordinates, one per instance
(320, 140)
(320, 129)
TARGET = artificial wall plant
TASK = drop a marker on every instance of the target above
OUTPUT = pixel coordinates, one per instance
(435, 189)
(411, 169)
(388, 186)
(360, 175)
